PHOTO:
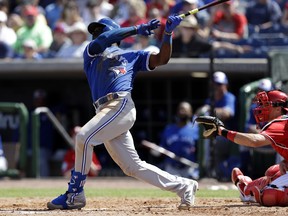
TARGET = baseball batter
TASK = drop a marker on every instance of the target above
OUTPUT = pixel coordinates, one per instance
(110, 73)
(271, 189)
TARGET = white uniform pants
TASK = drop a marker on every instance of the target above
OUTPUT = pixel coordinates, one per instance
(111, 126)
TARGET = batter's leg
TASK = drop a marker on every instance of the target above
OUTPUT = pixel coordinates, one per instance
(123, 152)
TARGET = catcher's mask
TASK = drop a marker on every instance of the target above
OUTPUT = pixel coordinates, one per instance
(265, 101)
(103, 25)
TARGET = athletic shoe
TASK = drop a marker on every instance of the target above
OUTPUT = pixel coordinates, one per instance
(188, 198)
(68, 201)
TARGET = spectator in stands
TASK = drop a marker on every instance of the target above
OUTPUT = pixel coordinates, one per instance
(189, 42)
(137, 16)
(120, 13)
(96, 10)
(222, 104)
(164, 6)
(263, 13)
(155, 13)
(145, 43)
(6, 51)
(284, 18)
(181, 138)
(187, 5)
(227, 23)
(34, 30)
(60, 41)
(53, 12)
(15, 21)
(70, 15)
(40, 99)
(30, 51)
(4, 6)
(69, 159)
(21, 7)
(7, 34)
(78, 36)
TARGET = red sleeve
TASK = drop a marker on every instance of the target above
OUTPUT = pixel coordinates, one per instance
(219, 15)
(277, 132)
(240, 24)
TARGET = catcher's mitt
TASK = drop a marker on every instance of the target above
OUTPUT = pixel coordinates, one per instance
(210, 124)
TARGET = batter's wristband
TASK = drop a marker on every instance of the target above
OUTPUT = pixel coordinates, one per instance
(167, 38)
(230, 135)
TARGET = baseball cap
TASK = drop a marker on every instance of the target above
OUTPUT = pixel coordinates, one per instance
(265, 85)
(59, 28)
(30, 43)
(220, 77)
(189, 22)
(30, 11)
(3, 17)
(191, 1)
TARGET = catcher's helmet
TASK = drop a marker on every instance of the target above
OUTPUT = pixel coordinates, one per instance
(266, 100)
(103, 25)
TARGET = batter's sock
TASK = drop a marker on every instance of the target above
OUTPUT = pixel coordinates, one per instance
(76, 183)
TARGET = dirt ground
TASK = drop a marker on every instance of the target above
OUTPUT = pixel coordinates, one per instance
(129, 206)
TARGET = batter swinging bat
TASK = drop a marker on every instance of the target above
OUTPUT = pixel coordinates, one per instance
(196, 10)
(169, 154)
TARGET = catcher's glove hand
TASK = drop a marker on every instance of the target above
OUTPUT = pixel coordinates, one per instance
(210, 124)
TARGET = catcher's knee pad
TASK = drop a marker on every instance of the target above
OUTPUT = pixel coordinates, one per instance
(273, 172)
(274, 197)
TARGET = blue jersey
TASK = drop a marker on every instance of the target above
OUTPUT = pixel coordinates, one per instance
(113, 70)
(180, 140)
(228, 101)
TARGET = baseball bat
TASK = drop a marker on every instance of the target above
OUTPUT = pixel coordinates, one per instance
(196, 10)
(169, 154)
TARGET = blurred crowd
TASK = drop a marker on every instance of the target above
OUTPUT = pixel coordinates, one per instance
(37, 29)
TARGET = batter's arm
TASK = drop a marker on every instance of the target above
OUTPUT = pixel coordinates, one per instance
(164, 55)
(108, 38)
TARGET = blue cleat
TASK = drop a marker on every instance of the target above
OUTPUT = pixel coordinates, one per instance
(68, 201)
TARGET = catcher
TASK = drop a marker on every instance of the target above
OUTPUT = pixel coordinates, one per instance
(271, 115)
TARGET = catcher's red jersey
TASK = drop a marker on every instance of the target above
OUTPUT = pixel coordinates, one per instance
(277, 131)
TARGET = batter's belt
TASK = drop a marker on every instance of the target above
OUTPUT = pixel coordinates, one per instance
(105, 99)
(108, 97)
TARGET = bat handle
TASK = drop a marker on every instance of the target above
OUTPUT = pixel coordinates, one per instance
(194, 11)
(187, 14)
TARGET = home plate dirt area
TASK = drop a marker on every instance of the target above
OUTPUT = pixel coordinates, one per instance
(128, 206)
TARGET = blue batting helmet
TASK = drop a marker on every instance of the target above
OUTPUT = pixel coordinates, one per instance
(106, 24)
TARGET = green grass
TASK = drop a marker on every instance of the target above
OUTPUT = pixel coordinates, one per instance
(48, 192)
